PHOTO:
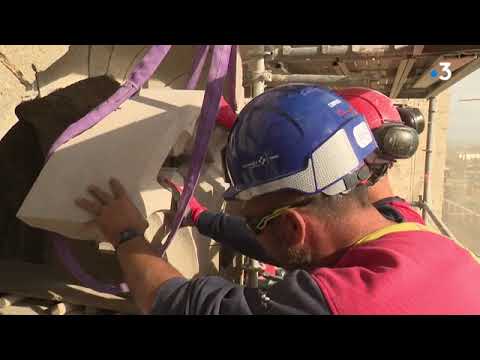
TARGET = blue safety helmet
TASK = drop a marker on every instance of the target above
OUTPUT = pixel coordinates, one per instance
(299, 137)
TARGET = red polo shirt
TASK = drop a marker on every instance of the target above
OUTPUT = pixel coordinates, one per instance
(403, 269)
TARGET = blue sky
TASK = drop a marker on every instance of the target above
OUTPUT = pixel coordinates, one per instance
(464, 117)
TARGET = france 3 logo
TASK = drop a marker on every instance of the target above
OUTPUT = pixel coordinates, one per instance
(446, 72)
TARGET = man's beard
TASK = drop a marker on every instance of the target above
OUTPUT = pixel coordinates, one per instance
(298, 258)
(293, 257)
(289, 257)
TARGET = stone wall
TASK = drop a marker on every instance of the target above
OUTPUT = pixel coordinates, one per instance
(61, 65)
(17, 75)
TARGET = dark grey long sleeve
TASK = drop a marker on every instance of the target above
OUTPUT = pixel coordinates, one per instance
(232, 231)
(297, 294)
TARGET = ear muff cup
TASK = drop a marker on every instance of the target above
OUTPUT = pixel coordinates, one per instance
(412, 117)
(396, 141)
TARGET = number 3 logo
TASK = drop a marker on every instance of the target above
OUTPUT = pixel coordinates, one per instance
(446, 68)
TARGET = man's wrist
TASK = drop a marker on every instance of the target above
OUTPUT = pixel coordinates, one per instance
(127, 234)
(130, 238)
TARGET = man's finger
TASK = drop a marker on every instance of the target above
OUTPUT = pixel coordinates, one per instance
(117, 188)
(100, 195)
(89, 206)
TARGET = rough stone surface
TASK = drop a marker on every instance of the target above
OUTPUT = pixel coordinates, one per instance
(23, 56)
(17, 76)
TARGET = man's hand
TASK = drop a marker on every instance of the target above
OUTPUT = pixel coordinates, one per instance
(113, 212)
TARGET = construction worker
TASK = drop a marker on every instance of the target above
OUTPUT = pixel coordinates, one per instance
(389, 124)
(296, 164)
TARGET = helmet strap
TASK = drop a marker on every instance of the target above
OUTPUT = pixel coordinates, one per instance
(358, 176)
(378, 171)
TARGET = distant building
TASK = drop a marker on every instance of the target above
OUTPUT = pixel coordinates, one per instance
(468, 156)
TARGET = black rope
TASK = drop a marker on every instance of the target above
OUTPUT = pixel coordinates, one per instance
(176, 78)
(37, 81)
(88, 59)
(110, 59)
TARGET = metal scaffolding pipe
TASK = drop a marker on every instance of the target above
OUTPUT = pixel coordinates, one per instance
(252, 268)
(427, 185)
(258, 73)
(328, 80)
(306, 78)
(258, 87)
(304, 51)
(286, 51)
(438, 223)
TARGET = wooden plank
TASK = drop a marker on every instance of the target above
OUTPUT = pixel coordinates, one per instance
(402, 77)
(42, 282)
(398, 76)
(341, 69)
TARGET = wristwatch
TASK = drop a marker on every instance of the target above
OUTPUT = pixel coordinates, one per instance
(127, 235)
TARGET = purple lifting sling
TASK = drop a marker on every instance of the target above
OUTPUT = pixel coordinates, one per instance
(222, 67)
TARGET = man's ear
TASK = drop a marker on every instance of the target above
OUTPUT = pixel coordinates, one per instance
(292, 227)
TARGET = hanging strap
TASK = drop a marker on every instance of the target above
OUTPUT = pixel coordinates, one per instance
(197, 67)
(232, 79)
(206, 124)
(68, 260)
